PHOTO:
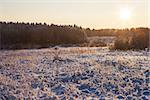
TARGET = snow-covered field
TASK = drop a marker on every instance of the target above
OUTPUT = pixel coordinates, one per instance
(75, 74)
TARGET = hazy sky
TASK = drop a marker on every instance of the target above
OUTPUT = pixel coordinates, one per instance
(85, 13)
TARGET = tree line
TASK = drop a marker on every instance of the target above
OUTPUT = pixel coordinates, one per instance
(15, 35)
(37, 35)
(134, 38)
(126, 39)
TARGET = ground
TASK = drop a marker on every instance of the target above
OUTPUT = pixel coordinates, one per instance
(74, 73)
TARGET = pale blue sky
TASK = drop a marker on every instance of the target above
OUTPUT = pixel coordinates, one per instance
(86, 13)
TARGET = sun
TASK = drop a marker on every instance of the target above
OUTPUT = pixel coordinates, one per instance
(125, 13)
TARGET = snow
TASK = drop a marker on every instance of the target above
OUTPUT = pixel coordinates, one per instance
(79, 72)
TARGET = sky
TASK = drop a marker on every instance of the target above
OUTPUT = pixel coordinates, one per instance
(86, 13)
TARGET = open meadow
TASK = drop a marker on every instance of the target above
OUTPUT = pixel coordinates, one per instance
(74, 73)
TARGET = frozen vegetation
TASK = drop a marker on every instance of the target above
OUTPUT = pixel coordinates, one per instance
(74, 74)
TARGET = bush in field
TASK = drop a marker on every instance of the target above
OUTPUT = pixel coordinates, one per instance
(121, 45)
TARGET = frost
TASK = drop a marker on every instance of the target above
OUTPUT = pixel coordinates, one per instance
(74, 73)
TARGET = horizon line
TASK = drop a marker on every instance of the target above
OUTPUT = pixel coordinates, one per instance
(42, 23)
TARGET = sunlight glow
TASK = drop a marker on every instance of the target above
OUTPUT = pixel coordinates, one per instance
(125, 13)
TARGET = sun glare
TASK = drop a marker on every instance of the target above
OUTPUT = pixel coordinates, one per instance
(125, 14)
